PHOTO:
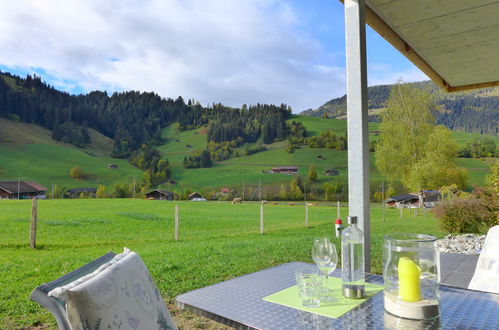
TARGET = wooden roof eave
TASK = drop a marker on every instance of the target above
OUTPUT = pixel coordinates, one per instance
(7, 191)
(380, 26)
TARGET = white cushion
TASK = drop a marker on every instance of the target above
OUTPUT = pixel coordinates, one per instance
(119, 294)
(486, 273)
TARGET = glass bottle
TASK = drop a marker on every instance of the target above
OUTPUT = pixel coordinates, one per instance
(352, 260)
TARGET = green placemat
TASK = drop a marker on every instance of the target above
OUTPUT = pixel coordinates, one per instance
(289, 297)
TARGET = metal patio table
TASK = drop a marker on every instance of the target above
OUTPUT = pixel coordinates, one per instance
(238, 303)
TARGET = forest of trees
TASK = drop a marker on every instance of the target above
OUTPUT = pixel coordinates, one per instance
(326, 139)
(249, 123)
(469, 111)
(134, 119)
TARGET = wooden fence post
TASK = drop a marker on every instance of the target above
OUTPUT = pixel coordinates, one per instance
(34, 220)
(176, 222)
(261, 219)
(306, 214)
(338, 212)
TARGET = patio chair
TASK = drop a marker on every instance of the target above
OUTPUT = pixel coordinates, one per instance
(113, 291)
(486, 273)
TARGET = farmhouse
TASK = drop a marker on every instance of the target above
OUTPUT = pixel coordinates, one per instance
(194, 195)
(78, 191)
(407, 200)
(21, 189)
(112, 166)
(331, 172)
(285, 169)
(224, 191)
(431, 198)
(160, 194)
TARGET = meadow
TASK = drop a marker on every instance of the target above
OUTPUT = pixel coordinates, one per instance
(218, 241)
(28, 152)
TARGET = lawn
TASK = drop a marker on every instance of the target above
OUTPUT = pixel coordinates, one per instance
(218, 241)
(29, 153)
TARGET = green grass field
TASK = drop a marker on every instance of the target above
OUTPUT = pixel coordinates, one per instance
(462, 138)
(28, 152)
(218, 241)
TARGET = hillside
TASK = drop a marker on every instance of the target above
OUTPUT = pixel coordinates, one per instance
(474, 111)
(45, 132)
(28, 152)
(249, 170)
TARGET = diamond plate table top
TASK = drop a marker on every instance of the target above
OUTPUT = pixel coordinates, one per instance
(238, 303)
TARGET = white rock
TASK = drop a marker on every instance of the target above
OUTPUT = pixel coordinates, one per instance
(464, 244)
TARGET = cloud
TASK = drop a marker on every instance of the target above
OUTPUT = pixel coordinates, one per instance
(226, 51)
(384, 74)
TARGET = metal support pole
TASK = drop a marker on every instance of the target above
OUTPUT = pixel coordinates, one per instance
(260, 189)
(383, 197)
(261, 219)
(306, 214)
(177, 222)
(358, 143)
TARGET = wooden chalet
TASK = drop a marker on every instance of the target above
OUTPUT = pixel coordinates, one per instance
(431, 198)
(406, 200)
(76, 192)
(160, 194)
(285, 169)
(331, 172)
(13, 189)
(195, 195)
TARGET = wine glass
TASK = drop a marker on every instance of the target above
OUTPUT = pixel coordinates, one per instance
(326, 258)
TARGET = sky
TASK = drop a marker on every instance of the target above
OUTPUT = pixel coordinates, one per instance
(232, 52)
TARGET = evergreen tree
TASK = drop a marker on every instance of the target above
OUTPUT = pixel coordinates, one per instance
(205, 159)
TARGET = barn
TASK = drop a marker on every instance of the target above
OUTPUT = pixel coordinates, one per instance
(407, 200)
(16, 189)
(195, 195)
(160, 194)
(285, 169)
(76, 192)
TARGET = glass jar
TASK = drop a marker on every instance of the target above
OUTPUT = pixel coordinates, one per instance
(411, 272)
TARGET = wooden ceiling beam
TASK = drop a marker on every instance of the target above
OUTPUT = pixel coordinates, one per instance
(379, 25)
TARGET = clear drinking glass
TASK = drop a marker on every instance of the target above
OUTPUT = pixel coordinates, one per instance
(326, 258)
(309, 286)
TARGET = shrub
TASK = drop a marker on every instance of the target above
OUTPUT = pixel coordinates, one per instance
(76, 172)
(101, 192)
(470, 215)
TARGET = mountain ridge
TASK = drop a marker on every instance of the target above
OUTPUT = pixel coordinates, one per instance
(475, 111)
